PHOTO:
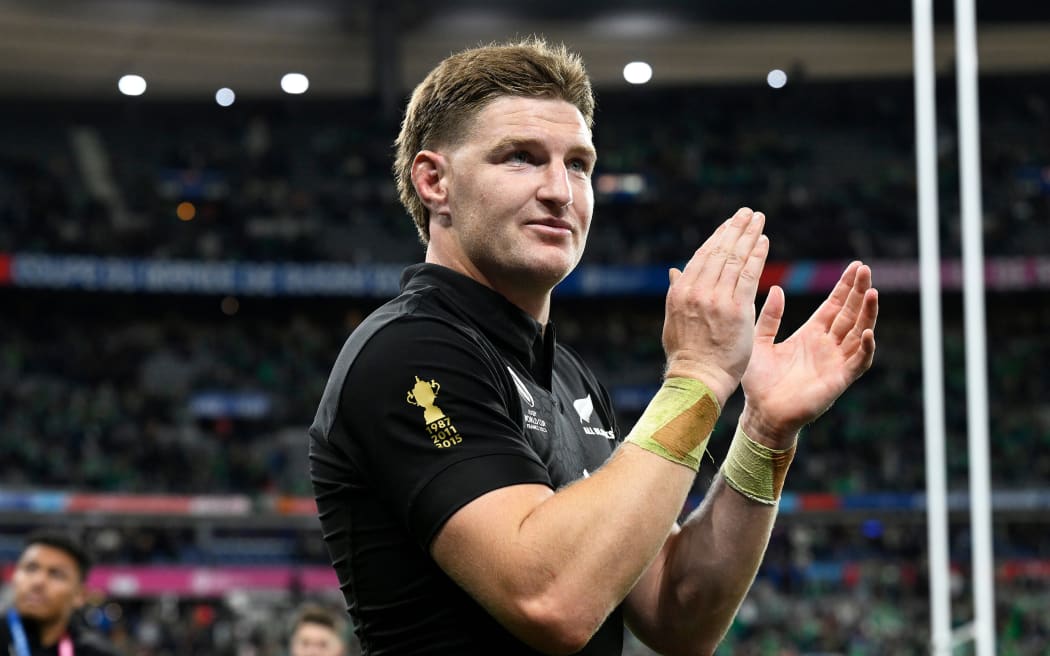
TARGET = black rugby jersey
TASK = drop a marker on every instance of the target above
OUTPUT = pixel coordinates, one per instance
(445, 393)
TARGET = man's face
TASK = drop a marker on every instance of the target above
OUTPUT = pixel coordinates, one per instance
(47, 584)
(315, 640)
(519, 193)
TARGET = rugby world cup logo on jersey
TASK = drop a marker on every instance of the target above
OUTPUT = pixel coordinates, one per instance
(531, 419)
(439, 427)
(526, 396)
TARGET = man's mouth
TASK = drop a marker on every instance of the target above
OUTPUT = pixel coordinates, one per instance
(552, 225)
(32, 600)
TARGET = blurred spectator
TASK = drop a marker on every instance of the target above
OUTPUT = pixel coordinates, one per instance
(317, 632)
(833, 585)
(48, 584)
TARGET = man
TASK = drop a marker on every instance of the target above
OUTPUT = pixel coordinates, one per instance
(475, 493)
(48, 587)
(317, 632)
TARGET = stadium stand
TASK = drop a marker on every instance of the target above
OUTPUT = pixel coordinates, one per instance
(168, 427)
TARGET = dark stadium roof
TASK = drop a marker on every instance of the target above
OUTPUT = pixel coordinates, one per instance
(796, 11)
(190, 48)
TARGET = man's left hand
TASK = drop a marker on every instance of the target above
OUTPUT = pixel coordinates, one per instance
(788, 385)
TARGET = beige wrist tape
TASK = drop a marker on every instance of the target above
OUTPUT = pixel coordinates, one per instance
(754, 470)
(678, 422)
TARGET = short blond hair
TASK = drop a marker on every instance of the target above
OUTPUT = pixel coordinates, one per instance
(315, 613)
(452, 94)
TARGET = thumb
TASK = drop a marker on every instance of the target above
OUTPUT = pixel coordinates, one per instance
(672, 275)
(769, 319)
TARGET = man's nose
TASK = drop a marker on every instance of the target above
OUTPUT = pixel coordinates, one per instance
(556, 189)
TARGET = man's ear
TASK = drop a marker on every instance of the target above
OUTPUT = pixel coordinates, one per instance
(429, 177)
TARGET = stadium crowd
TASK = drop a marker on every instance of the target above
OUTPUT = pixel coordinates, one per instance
(149, 394)
(188, 400)
(310, 181)
(874, 603)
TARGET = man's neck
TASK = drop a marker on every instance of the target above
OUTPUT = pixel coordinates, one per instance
(51, 632)
(534, 303)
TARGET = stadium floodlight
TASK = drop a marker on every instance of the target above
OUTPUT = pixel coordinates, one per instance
(295, 83)
(638, 72)
(225, 97)
(186, 211)
(132, 85)
(777, 78)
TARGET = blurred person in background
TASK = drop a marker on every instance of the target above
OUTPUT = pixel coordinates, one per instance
(48, 584)
(474, 491)
(317, 632)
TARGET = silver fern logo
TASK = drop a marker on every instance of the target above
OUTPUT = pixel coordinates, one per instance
(584, 408)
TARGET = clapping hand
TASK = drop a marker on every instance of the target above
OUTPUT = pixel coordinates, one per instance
(789, 384)
(709, 320)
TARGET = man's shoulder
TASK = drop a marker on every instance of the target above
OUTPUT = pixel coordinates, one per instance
(409, 328)
(413, 316)
(418, 308)
(409, 342)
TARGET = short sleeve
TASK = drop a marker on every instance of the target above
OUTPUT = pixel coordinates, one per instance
(429, 406)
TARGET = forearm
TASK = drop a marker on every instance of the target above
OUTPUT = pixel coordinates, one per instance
(688, 599)
(579, 552)
(707, 567)
(552, 566)
(711, 563)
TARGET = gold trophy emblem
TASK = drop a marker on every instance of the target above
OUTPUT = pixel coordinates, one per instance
(423, 394)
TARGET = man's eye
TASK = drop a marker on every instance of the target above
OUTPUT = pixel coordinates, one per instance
(520, 157)
(578, 165)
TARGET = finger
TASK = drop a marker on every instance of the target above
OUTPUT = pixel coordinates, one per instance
(739, 254)
(847, 317)
(861, 359)
(673, 274)
(825, 314)
(860, 343)
(768, 323)
(696, 262)
(869, 314)
(751, 274)
(708, 276)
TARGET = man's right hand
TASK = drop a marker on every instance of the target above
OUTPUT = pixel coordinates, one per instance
(709, 320)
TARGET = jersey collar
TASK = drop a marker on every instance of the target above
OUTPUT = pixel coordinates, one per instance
(501, 321)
